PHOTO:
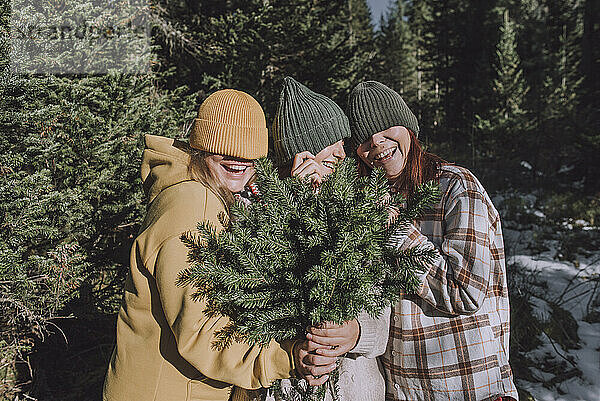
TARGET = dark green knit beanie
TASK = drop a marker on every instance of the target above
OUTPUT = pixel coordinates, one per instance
(373, 107)
(305, 120)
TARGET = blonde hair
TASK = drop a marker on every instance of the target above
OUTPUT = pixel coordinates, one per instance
(200, 172)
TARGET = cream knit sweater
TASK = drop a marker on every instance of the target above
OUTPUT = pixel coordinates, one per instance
(361, 377)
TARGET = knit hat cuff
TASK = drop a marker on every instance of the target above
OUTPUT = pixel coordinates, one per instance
(321, 136)
(230, 140)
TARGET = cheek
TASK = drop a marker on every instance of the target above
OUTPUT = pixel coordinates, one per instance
(402, 162)
(397, 167)
(364, 156)
(217, 172)
(213, 167)
(405, 147)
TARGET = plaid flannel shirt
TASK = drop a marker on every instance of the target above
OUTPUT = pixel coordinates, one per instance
(449, 341)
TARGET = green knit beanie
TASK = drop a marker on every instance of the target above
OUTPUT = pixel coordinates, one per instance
(305, 120)
(373, 107)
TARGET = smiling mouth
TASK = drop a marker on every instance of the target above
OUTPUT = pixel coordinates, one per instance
(235, 169)
(328, 164)
(385, 155)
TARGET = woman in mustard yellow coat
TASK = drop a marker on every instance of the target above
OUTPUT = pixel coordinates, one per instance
(164, 341)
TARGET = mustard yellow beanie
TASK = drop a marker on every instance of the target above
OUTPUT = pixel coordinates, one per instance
(232, 123)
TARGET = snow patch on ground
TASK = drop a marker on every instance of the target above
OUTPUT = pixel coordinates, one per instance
(572, 288)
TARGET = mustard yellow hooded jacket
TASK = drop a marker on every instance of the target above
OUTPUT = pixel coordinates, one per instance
(163, 350)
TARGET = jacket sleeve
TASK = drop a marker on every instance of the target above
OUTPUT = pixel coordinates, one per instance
(374, 333)
(239, 364)
(457, 282)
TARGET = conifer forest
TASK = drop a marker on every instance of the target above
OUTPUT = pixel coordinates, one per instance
(507, 88)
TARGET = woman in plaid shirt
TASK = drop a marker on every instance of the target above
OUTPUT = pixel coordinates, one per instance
(449, 340)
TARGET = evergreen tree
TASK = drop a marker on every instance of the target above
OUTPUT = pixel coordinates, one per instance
(80, 37)
(459, 64)
(363, 39)
(559, 121)
(312, 41)
(70, 204)
(398, 64)
(552, 52)
(253, 45)
(404, 61)
(508, 124)
(509, 85)
(427, 102)
(589, 113)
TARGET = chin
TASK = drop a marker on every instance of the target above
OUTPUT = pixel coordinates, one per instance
(392, 172)
(237, 185)
(393, 175)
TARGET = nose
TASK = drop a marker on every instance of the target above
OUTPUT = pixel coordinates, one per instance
(376, 139)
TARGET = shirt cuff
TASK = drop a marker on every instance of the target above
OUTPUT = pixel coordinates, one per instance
(368, 335)
(407, 239)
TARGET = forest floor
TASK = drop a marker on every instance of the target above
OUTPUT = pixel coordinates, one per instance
(554, 277)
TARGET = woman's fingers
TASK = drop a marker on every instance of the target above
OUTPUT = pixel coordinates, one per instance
(333, 331)
(318, 360)
(324, 341)
(312, 346)
(306, 169)
(300, 158)
(327, 326)
(330, 352)
(325, 350)
(331, 346)
(313, 368)
(335, 337)
(318, 371)
(316, 375)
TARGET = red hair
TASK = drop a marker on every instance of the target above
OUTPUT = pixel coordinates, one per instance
(420, 167)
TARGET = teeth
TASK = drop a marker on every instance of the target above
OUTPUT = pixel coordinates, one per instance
(237, 168)
(384, 154)
(329, 165)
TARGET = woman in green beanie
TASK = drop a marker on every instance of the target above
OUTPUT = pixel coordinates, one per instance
(308, 133)
(449, 340)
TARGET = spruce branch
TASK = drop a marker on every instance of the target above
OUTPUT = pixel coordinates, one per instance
(300, 256)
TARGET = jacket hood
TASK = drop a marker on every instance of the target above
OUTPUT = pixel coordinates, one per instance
(164, 163)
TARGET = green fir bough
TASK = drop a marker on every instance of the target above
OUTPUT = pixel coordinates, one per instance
(297, 257)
